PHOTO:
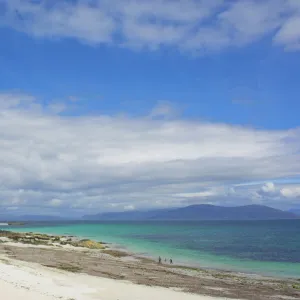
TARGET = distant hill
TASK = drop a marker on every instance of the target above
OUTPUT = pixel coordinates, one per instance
(126, 215)
(201, 212)
(36, 218)
(295, 211)
(41, 218)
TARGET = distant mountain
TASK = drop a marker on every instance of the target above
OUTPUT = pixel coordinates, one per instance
(41, 218)
(295, 211)
(201, 212)
(36, 218)
(5, 218)
(126, 215)
(211, 212)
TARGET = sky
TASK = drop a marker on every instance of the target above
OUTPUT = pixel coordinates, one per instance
(112, 105)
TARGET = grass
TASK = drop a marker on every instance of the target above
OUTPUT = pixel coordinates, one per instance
(187, 268)
(89, 244)
(115, 253)
(296, 286)
(5, 261)
(111, 275)
(65, 267)
(223, 276)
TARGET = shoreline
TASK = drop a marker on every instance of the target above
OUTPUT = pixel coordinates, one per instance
(147, 256)
(101, 261)
(180, 262)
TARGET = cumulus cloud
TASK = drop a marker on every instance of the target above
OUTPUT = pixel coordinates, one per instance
(192, 25)
(267, 188)
(91, 163)
(292, 192)
(280, 194)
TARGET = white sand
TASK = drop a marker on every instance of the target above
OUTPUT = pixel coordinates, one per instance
(22, 281)
(10, 292)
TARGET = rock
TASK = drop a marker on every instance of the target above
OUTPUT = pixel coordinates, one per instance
(89, 244)
(43, 239)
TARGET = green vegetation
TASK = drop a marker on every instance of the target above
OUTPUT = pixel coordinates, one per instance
(115, 253)
(223, 275)
(296, 286)
(49, 240)
(65, 267)
(89, 244)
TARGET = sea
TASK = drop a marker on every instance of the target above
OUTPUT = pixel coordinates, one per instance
(270, 248)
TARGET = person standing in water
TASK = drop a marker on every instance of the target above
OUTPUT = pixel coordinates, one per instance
(171, 261)
(159, 260)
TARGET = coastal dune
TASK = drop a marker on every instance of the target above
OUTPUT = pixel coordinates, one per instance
(22, 280)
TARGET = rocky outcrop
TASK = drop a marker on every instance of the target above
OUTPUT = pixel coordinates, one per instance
(49, 240)
(89, 244)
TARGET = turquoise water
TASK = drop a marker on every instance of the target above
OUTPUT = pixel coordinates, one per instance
(262, 247)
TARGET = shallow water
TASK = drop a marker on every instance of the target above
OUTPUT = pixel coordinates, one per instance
(262, 247)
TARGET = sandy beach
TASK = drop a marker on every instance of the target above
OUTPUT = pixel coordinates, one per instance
(46, 270)
(20, 280)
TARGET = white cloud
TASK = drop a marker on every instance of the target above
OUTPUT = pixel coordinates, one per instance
(164, 110)
(15, 100)
(289, 34)
(204, 194)
(88, 163)
(12, 208)
(282, 195)
(268, 187)
(129, 207)
(57, 107)
(291, 192)
(55, 202)
(247, 21)
(63, 20)
(193, 25)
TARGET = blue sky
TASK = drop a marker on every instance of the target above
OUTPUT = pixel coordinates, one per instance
(257, 85)
(129, 92)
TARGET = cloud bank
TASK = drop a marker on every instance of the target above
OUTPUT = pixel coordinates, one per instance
(197, 26)
(55, 163)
